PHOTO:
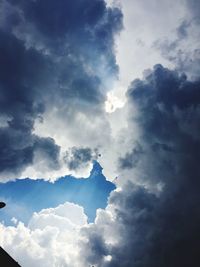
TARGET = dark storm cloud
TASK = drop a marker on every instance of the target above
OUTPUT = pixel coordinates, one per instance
(84, 29)
(168, 106)
(159, 229)
(47, 52)
(160, 98)
(96, 248)
(156, 231)
(20, 102)
(18, 146)
(77, 157)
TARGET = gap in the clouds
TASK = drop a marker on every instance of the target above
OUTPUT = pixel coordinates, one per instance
(25, 196)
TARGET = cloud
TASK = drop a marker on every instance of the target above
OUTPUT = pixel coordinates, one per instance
(194, 9)
(182, 50)
(77, 157)
(168, 116)
(50, 239)
(144, 23)
(45, 70)
(69, 212)
(163, 112)
(131, 159)
(154, 219)
(18, 82)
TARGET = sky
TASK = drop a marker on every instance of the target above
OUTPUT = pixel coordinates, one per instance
(23, 197)
(99, 132)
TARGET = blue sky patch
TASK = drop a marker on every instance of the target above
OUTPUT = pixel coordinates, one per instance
(25, 196)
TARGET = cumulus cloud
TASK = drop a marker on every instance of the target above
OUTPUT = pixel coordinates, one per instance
(157, 221)
(50, 239)
(19, 106)
(144, 224)
(45, 70)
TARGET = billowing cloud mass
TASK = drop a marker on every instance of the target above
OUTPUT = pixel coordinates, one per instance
(151, 142)
(156, 227)
(140, 227)
(20, 105)
(56, 59)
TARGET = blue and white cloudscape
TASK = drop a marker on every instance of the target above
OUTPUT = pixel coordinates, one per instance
(99, 132)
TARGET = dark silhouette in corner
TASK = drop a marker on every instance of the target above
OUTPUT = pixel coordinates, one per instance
(5, 259)
(2, 205)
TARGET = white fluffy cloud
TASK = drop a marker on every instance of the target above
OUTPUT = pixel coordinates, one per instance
(50, 239)
(60, 237)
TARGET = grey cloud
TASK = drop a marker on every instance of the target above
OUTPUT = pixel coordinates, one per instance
(49, 150)
(194, 7)
(20, 100)
(78, 157)
(182, 29)
(155, 231)
(131, 159)
(95, 246)
(183, 49)
(49, 53)
(168, 108)
(159, 229)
